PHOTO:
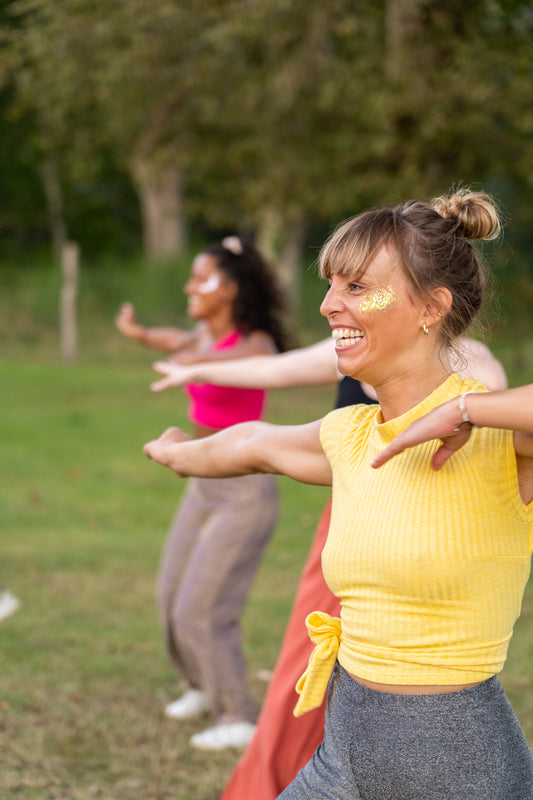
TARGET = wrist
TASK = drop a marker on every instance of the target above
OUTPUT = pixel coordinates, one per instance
(463, 411)
(138, 334)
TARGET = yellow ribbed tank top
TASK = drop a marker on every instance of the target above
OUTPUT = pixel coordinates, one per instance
(430, 567)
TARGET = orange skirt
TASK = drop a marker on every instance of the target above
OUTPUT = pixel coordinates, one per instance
(282, 743)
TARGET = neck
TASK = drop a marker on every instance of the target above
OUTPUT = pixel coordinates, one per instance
(221, 324)
(401, 393)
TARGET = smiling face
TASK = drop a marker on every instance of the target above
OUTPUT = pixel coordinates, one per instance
(375, 320)
(208, 290)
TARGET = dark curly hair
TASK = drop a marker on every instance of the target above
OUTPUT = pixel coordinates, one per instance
(259, 303)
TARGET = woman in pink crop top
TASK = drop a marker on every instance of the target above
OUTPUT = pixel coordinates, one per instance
(221, 527)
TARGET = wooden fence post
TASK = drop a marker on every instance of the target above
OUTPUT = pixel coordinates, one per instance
(70, 258)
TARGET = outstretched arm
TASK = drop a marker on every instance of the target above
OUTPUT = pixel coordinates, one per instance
(511, 409)
(243, 449)
(166, 339)
(305, 366)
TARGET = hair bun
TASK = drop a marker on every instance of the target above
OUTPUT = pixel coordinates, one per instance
(475, 211)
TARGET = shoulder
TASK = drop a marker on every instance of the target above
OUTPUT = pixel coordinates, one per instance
(200, 332)
(474, 359)
(351, 415)
(258, 342)
(343, 423)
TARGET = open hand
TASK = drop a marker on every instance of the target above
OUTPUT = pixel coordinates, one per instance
(175, 375)
(441, 423)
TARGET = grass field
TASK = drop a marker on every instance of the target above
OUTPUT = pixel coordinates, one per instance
(83, 674)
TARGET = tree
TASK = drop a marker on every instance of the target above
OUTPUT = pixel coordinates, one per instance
(110, 77)
(297, 72)
(263, 115)
(342, 105)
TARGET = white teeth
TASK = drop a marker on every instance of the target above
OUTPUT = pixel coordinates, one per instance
(350, 334)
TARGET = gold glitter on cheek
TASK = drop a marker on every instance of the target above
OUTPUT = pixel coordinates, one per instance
(378, 299)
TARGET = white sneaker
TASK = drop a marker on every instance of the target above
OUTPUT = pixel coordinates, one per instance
(8, 603)
(191, 703)
(234, 734)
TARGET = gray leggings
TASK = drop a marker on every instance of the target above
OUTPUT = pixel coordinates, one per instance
(465, 745)
(211, 557)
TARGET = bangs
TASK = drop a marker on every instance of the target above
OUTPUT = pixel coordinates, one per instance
(350, 248)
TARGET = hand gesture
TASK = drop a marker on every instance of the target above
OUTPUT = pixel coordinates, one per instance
(175, 375)
(441, 423)
(126, 321)
(159, 449)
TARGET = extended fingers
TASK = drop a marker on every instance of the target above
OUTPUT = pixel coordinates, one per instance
(160, 386)
(168, 437)
(163, 367)
(441, 456)
(391, 450)
(173, 436)
(149, 448)
(174, 376)
(126, 311)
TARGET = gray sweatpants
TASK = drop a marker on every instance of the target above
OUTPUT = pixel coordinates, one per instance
(212, 554)
(465, 745)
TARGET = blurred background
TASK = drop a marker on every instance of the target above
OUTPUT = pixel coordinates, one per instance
(133, 133)
(141, 130)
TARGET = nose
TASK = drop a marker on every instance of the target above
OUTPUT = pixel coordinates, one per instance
(330, 303)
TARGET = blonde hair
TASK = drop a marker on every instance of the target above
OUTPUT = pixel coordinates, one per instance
(434, 245)
(475, 211)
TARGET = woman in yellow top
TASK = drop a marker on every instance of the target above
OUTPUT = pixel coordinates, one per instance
(429, 552)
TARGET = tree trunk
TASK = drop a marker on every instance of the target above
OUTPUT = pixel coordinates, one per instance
(280, 239)
(54, 200)
(160, 196)
(402, 22)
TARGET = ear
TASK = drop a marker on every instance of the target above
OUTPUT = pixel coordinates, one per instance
(438, 306)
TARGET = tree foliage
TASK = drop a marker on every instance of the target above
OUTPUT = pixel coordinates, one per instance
(277, 109)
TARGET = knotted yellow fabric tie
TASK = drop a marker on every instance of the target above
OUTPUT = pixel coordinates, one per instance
(325, 632)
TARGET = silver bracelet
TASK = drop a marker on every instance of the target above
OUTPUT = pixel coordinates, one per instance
(462, 408)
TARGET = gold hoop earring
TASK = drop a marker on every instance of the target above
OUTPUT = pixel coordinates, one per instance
(425, 329)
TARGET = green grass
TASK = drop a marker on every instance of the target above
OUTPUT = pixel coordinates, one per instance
(83, 674)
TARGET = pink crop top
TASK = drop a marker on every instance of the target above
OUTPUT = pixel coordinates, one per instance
(222, 406)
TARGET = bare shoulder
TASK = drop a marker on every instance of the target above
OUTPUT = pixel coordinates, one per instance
(473, 348)
(258, 343)
(473, 359)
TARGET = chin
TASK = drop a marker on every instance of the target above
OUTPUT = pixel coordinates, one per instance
(344, 366)
(352, 372)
